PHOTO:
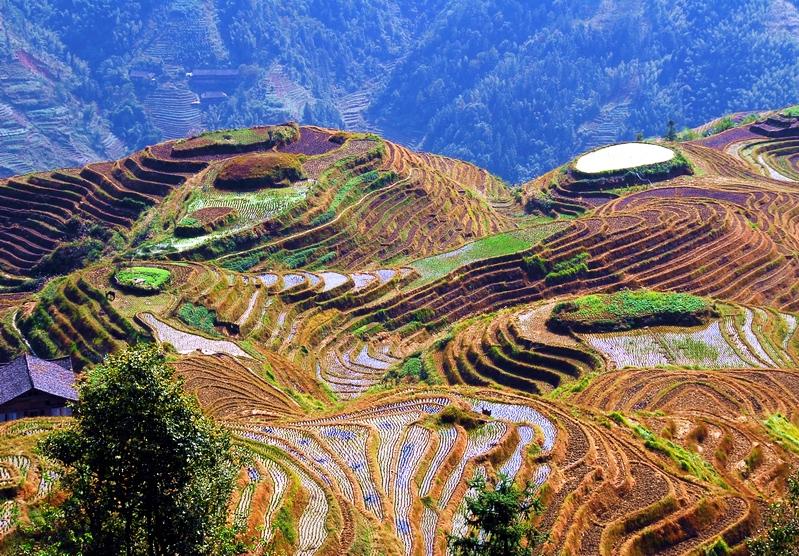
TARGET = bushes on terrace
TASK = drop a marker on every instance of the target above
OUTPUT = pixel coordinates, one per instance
(412, 370)
(540, 201)
(453, 415)
(70, 256)
(244, 263)
(792, 112)
(780, 535)
(626, 309)
(198, 317)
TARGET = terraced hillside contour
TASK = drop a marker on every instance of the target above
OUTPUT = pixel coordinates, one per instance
(375, 326)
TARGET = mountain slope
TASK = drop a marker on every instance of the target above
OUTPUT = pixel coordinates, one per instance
(376, 325)
(514, 88)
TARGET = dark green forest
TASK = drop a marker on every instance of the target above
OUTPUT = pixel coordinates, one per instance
(514, 86)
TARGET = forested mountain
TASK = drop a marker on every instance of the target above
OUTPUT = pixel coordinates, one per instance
(514, 86)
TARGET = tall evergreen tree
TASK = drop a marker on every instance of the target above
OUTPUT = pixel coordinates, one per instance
(499, 520)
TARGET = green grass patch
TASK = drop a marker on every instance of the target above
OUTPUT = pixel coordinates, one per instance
(143, 278)
(630, 309)
(696, 350)
(792, 112)
(198, 317)
(437, 266)
(572, 387)
(783, 431)
(687, 461)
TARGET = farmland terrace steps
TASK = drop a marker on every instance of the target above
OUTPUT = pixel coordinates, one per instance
(754, 338)
(653, 239)
(39, 206)
(423, 212)
(712, 401)
(371, 459)
(497, 352)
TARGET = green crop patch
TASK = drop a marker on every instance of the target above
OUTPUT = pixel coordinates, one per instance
(143, 278)
(198, 317)
(627, 309)
(438, 266)
(783, 431)
(687, 461)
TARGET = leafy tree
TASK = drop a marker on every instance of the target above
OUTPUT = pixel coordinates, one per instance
(671, 131)
(499, 520)
(146, 471)
(781, 534)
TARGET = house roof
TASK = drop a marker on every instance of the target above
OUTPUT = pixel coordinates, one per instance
(28, 372)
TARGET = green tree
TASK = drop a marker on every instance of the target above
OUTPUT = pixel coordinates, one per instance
(147, 473)
(780, 536)
(499, 520)
(671, 131)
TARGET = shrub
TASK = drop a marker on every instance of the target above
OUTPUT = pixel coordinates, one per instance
(565, 271)
(69, 256)
(540, 201)
(323, 218)
(242, 264)
(425, 314)
(412, 369)
(453, 415)
(536, 266)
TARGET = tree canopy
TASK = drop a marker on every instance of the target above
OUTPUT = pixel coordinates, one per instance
(499, 520)
(147, 473)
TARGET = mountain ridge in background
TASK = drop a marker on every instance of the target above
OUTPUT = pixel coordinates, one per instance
(515, 88)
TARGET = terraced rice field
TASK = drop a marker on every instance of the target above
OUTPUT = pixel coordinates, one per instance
(622, 157)
(335, 452)
(729, 343)
(331, 325)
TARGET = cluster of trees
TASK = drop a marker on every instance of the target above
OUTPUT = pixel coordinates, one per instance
(505, 84)
(508, 84)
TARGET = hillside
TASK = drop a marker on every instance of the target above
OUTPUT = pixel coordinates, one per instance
(509, 87)
(376, 325)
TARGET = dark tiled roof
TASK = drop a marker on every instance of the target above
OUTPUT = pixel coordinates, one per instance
(27, 372)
